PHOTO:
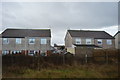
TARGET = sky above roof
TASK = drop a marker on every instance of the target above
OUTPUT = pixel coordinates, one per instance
(60, 16)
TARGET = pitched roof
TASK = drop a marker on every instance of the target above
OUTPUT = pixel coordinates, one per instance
(116, 33)
(90, 34)
(15, 33)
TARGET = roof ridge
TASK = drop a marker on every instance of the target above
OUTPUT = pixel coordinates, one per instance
(27, 32)
(116, 33)
(90, 33)
(24, 29)
(88, 30)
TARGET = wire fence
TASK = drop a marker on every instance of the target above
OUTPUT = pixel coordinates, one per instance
(98, 57)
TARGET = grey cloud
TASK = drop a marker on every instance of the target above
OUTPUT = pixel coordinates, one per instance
(60, 16)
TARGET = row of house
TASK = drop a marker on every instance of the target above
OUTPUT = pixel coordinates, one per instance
(39, 40)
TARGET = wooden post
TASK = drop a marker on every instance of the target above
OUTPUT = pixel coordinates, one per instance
(63, 58)
(86, 58)
(39, 52)
(38, 58)
(106, 56)
(86, 49)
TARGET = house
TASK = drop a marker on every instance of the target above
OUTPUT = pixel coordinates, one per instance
(0, 44)
(90, 39)
(26, 41)
(117, 40)
(59, 47)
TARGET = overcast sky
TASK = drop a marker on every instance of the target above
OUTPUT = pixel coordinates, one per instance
(60, 16)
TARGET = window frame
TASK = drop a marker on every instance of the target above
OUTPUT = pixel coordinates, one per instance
(88, 39)
(118, 42)
(4, 41)
(44, 42)
(77, 40)
(32, 39)
(5, 52)
(99, 40)
(110, 41)
(19, 39)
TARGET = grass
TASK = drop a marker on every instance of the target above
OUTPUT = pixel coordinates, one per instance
(63, 71)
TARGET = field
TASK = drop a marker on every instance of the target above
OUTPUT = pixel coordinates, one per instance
(103, 64)
(64, 71)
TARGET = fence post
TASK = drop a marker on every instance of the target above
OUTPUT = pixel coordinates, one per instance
(106, 57)
(63, 58)
(118, 63)
(38, 58)
(12, 58)
(86, 58)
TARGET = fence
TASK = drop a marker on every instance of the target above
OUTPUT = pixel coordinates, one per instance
(106, 56)
(99, 56)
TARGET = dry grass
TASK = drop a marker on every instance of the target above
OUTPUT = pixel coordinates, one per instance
(53, 67)
(64, 71)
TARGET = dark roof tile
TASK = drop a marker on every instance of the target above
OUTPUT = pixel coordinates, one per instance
(90, 34)
(26, 33)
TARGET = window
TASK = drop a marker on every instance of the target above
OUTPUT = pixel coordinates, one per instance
(5, 41)
(5, 52)
(99, 41)
(16, 52)
(88, 41)
(31, 53)
(31, 41)
(78, 41)
(18, 40)
(119, 42)
(43, 41)
(109, 42)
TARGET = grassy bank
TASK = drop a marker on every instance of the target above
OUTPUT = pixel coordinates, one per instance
(63, 71)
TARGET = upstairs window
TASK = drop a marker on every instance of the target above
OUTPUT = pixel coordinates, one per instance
(5, 41)
(31, 40)
(43, 41)
(109, 42)
(18, 40)
(99, 41)
(88, 41)
(78, 41)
